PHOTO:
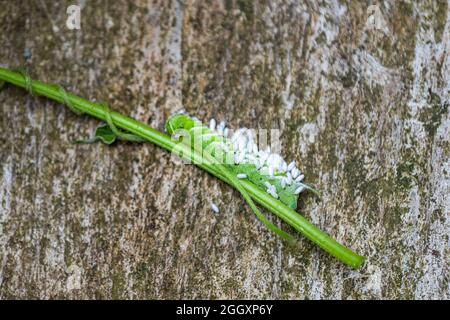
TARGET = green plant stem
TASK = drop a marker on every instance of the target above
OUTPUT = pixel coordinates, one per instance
(98, 111)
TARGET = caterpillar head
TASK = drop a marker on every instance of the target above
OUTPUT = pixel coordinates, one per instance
(180, 121)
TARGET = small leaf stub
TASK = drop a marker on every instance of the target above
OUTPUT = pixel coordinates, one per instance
(102, 133)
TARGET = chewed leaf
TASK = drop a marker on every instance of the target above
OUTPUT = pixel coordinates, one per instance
(102, 133)
(312, 189)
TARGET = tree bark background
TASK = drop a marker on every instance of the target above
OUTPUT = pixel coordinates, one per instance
(363, 111)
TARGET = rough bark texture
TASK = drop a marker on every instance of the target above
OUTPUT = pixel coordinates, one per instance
(363, 110)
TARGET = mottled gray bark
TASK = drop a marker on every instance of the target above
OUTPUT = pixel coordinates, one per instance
(363, 107)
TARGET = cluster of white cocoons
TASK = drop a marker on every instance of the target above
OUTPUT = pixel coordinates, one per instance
(246, 151)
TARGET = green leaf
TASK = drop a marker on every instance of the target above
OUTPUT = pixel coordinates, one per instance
(102, 133)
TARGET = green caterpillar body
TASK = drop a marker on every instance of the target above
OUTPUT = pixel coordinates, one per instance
(195, 134)
(221, 147)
